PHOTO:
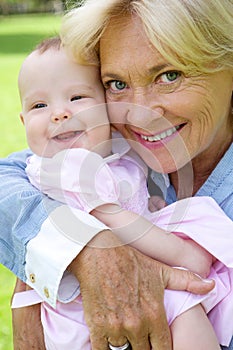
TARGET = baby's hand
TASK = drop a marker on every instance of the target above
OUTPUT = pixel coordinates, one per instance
(156, 203)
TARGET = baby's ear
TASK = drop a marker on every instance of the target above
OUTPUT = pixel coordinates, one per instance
(21, 118)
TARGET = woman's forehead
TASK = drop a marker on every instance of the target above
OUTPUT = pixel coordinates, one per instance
(127, 45)
(128, 26)
(125, 35)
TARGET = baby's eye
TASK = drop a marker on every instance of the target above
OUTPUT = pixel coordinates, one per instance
(169, 77)
(116, 85)
(39, 105)
(75, 98)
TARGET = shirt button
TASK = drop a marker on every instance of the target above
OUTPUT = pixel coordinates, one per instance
(46, 292)
(32, 278)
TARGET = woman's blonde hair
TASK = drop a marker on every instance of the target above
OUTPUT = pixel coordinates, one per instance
(194, 35)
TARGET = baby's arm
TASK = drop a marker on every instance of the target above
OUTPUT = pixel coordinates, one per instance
(192, 330)
(153, 241)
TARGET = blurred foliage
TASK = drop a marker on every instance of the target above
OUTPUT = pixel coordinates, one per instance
(36, 6)
(7, 283)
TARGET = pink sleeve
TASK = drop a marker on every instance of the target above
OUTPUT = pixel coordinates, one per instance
(84, 180)
(77, 177)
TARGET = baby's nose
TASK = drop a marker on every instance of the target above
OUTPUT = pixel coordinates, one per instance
(60, 117)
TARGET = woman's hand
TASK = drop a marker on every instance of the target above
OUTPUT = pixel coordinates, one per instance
(26, 322)
(122, 292)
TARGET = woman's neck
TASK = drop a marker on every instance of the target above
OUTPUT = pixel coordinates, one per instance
(189, 179)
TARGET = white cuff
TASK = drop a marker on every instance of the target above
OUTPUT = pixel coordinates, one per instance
(63, 235)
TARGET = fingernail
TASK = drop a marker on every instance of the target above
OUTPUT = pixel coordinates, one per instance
(206, 280)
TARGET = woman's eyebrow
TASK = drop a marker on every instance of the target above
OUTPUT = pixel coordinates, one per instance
(158, 68)
(110, 75)
(150, 71)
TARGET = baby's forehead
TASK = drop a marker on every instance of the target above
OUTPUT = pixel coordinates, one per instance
(27, 63)
(30, 60)
(57, 62)
(35, 56)
(33, 60)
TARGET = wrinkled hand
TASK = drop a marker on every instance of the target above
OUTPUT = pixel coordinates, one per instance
(27, 327)
(122, 292)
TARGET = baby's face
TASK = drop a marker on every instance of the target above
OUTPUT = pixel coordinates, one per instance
(63, 104)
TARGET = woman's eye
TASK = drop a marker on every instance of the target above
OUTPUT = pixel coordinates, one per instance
(116, 85)
(169, 77)
(75, 98)
(39, 105)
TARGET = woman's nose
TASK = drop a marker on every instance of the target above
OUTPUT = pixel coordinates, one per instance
(143, 116)
(144, 109)
(59, 117)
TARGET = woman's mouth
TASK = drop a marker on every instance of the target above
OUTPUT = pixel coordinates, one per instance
(163, 135)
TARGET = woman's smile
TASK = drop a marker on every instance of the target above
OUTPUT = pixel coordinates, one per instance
(161, 136)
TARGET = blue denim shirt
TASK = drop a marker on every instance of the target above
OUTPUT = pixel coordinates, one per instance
(19, 201)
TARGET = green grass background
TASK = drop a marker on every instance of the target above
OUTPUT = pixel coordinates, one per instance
(18, 35)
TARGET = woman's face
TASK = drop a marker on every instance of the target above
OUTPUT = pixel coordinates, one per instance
(168, 118)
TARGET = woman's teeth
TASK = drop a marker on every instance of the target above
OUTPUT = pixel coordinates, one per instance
(161, 136)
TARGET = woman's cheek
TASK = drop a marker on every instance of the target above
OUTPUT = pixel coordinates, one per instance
(117, 113)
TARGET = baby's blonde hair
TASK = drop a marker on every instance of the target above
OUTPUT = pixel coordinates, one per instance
(194, 35)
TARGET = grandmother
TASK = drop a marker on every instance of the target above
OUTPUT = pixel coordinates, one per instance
(167, 67)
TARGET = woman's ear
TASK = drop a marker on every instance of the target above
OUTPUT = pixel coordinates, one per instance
(21, 118)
